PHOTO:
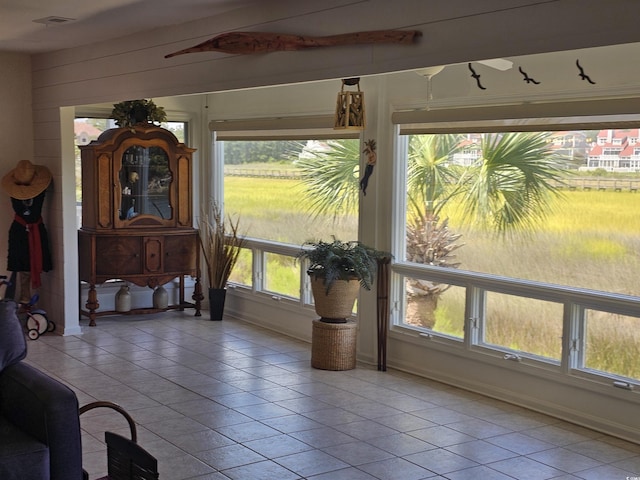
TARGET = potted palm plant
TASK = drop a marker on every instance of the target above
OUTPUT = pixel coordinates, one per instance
(221, 244)
(337, 270)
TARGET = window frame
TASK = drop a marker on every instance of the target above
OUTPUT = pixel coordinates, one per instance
(317, 127)
(575, 301)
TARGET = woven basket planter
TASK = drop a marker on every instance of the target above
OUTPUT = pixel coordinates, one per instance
(333, 345)
(338, 304)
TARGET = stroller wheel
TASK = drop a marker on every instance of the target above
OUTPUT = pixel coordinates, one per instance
(33, 334)
(50, 326)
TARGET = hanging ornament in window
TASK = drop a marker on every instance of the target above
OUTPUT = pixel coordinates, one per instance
(372, 158)
(350, 107)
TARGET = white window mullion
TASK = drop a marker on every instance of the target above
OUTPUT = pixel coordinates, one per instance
(573, 337)
(398, 220)
(474, 316)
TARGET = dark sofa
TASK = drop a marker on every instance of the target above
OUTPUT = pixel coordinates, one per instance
(39, 420)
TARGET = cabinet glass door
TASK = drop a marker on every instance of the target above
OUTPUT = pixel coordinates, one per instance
(145, 182)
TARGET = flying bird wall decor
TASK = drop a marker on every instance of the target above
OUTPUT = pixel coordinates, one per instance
(264, 42)
(584, 76)
(527, 78)
(476, 76)
(495, 64)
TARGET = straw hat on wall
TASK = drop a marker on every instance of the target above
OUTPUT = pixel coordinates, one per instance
(26, 180)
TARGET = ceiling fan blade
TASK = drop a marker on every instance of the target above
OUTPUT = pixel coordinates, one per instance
(497, 63)
(430, 71)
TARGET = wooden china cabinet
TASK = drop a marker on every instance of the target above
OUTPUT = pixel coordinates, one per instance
(137, 219)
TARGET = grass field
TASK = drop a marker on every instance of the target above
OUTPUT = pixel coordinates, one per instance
(275, 209)
(590, 239)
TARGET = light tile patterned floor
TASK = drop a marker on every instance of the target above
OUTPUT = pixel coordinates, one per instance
(226, 400)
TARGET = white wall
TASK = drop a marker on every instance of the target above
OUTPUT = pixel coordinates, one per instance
(16, 140)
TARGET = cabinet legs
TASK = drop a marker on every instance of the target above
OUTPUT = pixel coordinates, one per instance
(92, 301)
(92, 305)
(197, 296)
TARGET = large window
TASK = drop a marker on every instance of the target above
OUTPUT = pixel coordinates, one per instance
(285, 192)
(522, 210)
(528, 220)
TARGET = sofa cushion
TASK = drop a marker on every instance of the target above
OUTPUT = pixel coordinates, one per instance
(48, 410)
(13, 345)
(21, 455)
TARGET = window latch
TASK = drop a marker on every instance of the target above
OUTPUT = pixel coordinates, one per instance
(623, 385)
(575, 345)
(513, 357)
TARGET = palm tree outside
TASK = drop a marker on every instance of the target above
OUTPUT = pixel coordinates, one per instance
(329, 171)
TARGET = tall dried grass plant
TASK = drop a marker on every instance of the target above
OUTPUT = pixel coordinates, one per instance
(221, 245)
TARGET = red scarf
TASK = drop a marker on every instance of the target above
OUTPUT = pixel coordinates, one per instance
(35, 249)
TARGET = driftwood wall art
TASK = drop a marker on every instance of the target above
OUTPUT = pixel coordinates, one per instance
(264, 42)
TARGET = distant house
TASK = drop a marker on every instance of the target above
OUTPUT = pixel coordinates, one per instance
(571, 145)
(85, 132)
(470, 150)
(615, 151)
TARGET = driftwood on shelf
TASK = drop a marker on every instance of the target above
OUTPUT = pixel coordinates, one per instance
(264, 42)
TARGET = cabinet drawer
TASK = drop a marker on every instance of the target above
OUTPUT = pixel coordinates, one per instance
(118, 256)
(180, 253)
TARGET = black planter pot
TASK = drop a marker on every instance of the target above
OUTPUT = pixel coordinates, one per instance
(216, 302)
